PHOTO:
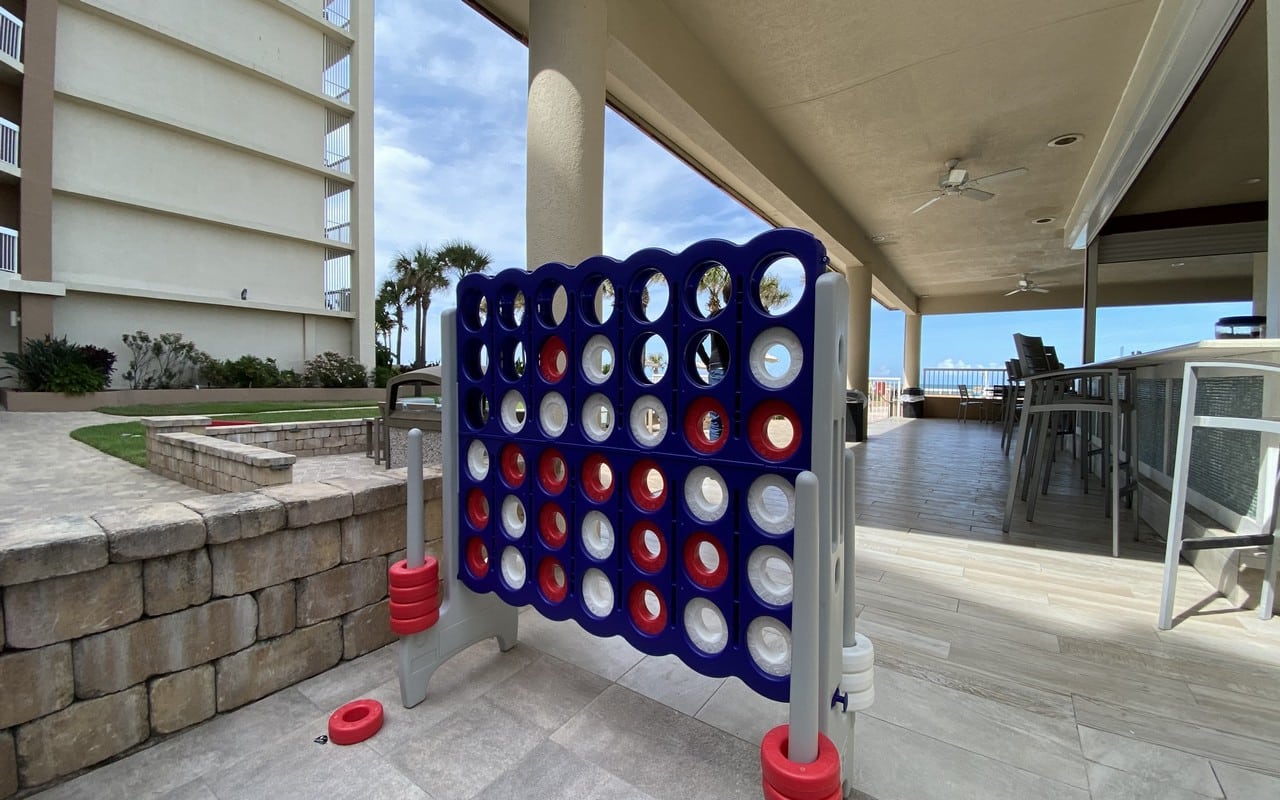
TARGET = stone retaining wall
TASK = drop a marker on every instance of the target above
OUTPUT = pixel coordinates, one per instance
(320, 438)
(125, 625)
(178, 449)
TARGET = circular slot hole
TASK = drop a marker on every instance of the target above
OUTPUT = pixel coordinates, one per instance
(597, 359)
(770, 575)
(709, 357)
(512, 466)
(482, 311)
(598, 301)
(597, 418)
(597, 535)
(512, 365)
(713, 291)
(705, 562)
(648, 611)
(553, 360)
(705, 626)
(513, 518)
(553, 527)
(597, 478)
(648, 486)
(769, 643)
(472, 308)
(513, 568)
(648, 421)
(477, 408)
(477, 509)
(475, 359)
(771, 504)
(706, 425)
(477, 557)
(774, 430)
(651, 295)
(776, 358)
(513, 412)
(553, 304)
(477, 460)
(649, 358)
(553, 414)
(553, 474)
(648, 547)
(706, 494)
(551, 580)
(511, 303)
(781, 286)
(597, 593)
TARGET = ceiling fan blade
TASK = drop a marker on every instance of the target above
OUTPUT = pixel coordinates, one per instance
(1010, 294)
(927, 203)
(1008, 173)
(976, 194)
(1038, 290)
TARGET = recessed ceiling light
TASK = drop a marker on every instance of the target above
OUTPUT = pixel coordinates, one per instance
(1178, 264)
(883, 237)
(1065, 140)
(1252, 180)
(1042, 220)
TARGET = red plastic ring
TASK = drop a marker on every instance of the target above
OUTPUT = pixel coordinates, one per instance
(410, 610)
(813, 781)
(758, 430)
(513, 466)
(547, 463)
(412, 625)
(693, 425)
(552, 526)
(401, 576)
(477, 509)
(645, 622)
(645, 560)
(592, 486)
(698, 571)
(414, 594)
(477, 557)
(641, 495)
(771, 793)
(355, 722)
(553, 350)
(551, 590)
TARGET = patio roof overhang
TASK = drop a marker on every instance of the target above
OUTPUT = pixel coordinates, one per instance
(839, 118)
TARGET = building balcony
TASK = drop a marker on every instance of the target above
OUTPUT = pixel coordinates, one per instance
(8, 251)
(9, 150)
(10, 47)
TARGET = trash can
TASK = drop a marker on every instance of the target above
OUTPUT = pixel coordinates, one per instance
(913, 403)
(855, 416)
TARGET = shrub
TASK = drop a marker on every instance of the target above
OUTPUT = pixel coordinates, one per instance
(290, 379)
(248, 372)
(332, 371)
(100, 360)
(73, 378)
(49, 365)
(160, 363)
(210, 372)
(382, 374)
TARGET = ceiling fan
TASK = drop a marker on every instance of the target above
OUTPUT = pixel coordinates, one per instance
(1025, 284)
(955, 182)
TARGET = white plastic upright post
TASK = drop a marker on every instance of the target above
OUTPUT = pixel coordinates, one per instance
(806, 692)
(415, 546)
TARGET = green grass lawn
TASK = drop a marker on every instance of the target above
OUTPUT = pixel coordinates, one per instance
(214, 409)
(127, 440)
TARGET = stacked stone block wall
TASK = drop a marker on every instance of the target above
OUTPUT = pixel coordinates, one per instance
(320, 438)
(178, 449)
(121, 626)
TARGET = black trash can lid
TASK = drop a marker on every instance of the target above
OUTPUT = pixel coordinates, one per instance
(913, 392)
(854, 396)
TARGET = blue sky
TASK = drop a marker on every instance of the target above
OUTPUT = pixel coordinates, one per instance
(449, 133)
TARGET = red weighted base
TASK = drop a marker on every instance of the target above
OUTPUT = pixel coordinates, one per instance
(416, 594)
(411, 610)
(787, 780)
(355, 722)
(401, 576)
(405, 627)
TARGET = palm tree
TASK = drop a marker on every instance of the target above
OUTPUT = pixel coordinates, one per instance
(422, 273)
(460, 258)
(388, 311)
(715, 281)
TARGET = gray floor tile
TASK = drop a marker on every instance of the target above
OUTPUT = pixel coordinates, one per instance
(196, 790)
(551, 772)
(350, 680)
(608, 658)
(457, 758)
(1108, 783)
(893, 763)
(671, 682)
(1243, 784)
(737, 710)
(548, 692)
(660, 751)
(1150, 761)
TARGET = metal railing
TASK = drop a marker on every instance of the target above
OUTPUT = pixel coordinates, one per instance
(882, 397)
(337, 142)
(946, 382)
(337, 211)
(337, 280)
(338, 13)
(10, 35)
(8, 142)
(336, 76)
(8, 250)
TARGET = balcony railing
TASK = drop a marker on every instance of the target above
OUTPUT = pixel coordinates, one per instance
(946, 382)
(8, 142)
(338, 13)
(336, 73)
(882, 397)
(10, 35)
(337, 281)
(9, 251)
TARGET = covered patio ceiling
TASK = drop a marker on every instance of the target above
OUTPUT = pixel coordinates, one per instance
(839, 117)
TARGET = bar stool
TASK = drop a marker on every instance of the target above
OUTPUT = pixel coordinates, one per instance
(1012, 402)
(1269, 477)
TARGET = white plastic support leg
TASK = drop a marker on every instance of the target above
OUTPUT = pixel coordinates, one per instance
(465, 617)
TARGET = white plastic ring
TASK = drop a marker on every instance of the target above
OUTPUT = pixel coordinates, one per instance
(771, 501)
(766, 341)
(770, 574)
(860, 701)
(861, 657)
(597, 535)
(706, 494)
(597, 417)
(706, 626)
(513, 569)
(513, 516)
(855, 682)
(597, 593)
(477, 460)
(769, 643)
(642, 411)
(553, 414)
(593, 358)
(513, 411)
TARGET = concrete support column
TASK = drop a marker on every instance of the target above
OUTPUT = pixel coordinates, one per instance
(1090, 303)
(859, 280)
(363, 279)
(1273, 170)
(35, 193)
(1260, 284)
(911, 351)
(564, 211)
